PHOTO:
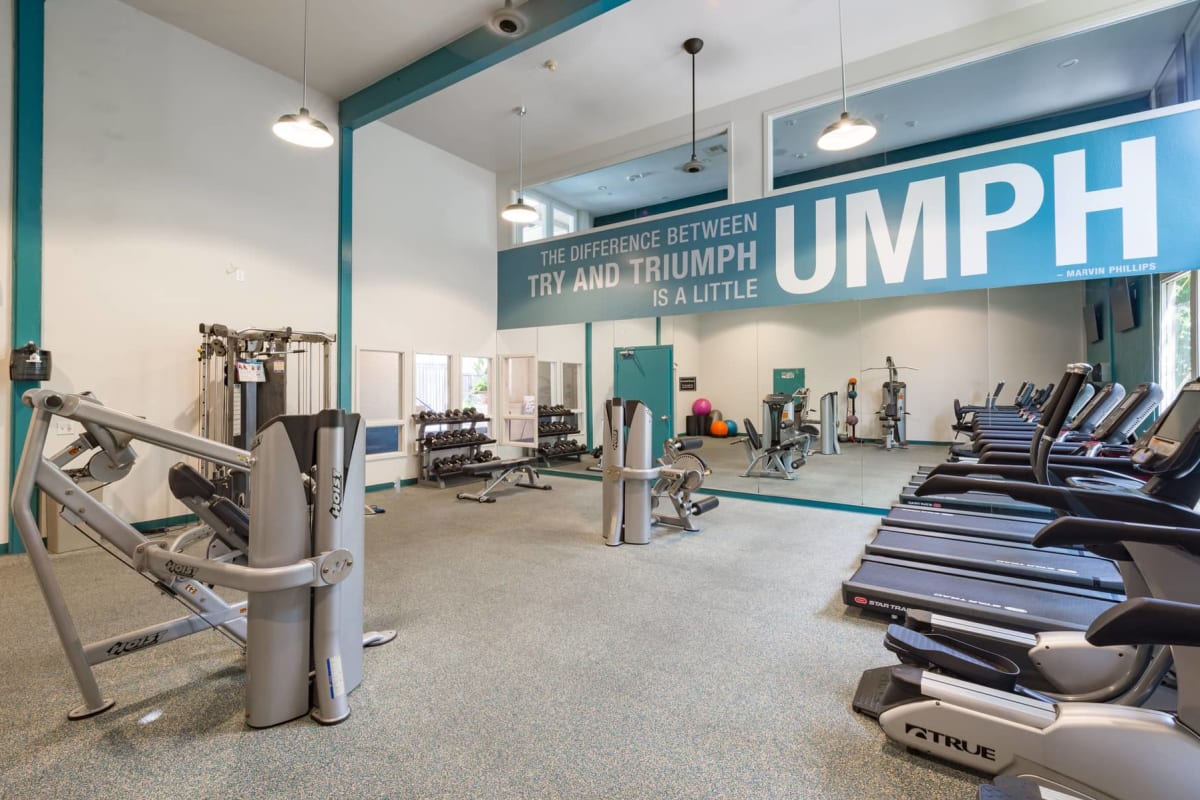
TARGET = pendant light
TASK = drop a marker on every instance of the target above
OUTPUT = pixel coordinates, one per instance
(520, 211)
(847, 131)
(693, 46)
(302, 128)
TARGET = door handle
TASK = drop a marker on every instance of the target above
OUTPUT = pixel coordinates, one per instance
(663, 417)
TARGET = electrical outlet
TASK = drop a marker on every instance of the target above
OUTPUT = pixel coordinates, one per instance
(62, 427)
(239, 275)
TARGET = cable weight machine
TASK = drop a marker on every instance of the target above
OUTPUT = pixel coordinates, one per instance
(248, 377)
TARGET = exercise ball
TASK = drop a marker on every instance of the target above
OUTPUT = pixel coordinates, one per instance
(701, 407)
(853, 381)
(851, 420)
(719, 428)
(731, 427)
(716, 414)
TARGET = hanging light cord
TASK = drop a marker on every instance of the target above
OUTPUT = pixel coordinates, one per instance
(841, 56)
(521, 157)
(304, 62)
(694, 106)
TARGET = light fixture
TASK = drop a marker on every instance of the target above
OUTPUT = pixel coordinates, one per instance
(302, 128)
(692, 46)
(1070, 62)
(520, 211)
(846, 132)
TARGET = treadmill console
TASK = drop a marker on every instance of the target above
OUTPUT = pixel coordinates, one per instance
(1172, 445)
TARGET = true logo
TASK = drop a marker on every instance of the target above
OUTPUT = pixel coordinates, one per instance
(951, 742)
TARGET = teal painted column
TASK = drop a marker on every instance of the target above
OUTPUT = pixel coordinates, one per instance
(587, 380)
(345, 281)
(29, 45)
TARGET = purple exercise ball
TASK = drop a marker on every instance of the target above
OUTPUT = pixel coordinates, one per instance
(702, 407)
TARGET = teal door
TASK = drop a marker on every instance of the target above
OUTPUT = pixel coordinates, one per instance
(648, 374)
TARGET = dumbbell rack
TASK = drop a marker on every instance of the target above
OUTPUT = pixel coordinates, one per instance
(566, 423)
(427, 451)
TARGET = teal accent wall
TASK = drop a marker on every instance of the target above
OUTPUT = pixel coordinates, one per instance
(29, 45)
(999, 134)
(587, 381)
(1132, 354)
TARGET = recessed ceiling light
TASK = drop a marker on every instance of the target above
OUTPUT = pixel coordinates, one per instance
(801, 155)
(1070, 62)
(637, 176)
(601, 188)
(791, 123)
(912, 123)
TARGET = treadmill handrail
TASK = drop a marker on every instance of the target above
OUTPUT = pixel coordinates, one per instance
(1065, 499)
(1083, 531)
(1147, 620)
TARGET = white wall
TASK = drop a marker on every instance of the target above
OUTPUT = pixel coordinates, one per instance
(424, 260)
(961, 343)
(162, 174)
(6, 120)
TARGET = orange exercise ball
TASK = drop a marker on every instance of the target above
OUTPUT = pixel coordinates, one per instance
(719, 428)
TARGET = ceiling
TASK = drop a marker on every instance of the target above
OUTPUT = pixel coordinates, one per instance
(623, 71)
(351, 43)
(645, 181)
(626, 70)
(1111, 63)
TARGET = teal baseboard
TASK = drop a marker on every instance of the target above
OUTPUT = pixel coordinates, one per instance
(383, 487)
(761, 498)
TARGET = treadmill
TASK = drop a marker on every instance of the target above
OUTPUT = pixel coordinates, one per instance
(995, 503)
(890, 585)
(1084, 423)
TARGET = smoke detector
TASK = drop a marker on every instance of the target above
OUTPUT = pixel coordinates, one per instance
(508, 21)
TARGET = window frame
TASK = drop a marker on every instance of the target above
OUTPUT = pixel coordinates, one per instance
(400, 423)
(1194, 306)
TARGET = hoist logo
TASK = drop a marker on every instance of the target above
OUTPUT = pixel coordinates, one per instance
(335, 508)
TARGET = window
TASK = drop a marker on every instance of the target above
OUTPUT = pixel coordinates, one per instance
(1177, 361)
(571, 396)
(553, 216)
(647, 185)
(380, 385)
(431, 376)
(564, 222)
(520, 375)
(545, 392)
(477, 386)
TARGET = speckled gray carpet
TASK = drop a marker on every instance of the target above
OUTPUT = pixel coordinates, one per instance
(532, 662)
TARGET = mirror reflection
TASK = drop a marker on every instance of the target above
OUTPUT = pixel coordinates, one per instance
(836, 402)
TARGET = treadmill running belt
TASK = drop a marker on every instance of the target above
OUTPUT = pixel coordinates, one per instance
(1004, 558)
(979, 501)
(988, 526)
(889, 586)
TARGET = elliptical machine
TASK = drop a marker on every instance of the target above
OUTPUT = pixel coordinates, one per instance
(1081, 750)
(634, 486)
